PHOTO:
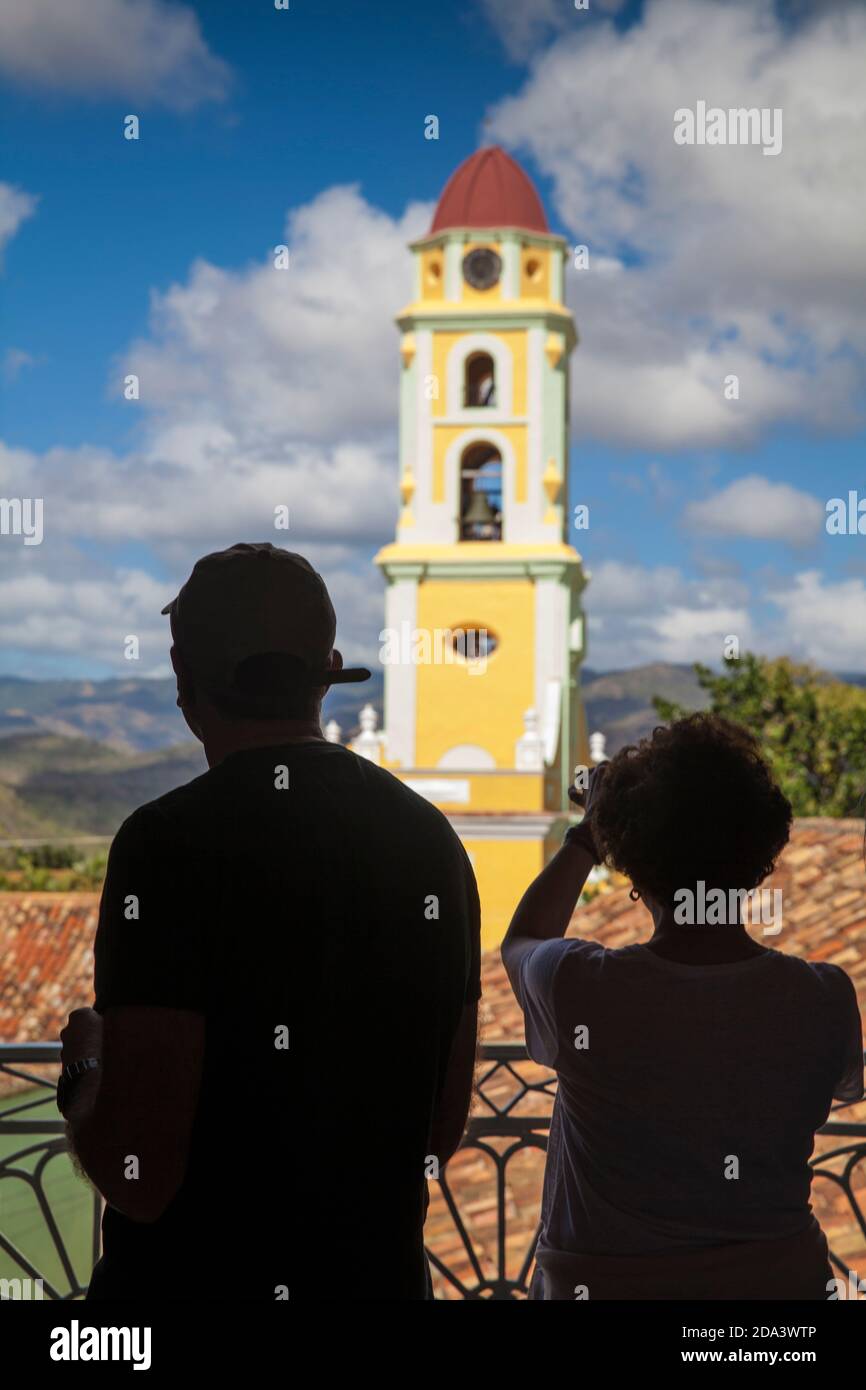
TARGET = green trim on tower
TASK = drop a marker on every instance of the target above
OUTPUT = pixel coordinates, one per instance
(487, 569)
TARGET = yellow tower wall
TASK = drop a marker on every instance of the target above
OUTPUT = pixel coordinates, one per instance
(503, 871)
(456, 707)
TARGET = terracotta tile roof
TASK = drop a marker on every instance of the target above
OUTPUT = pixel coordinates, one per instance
(46, 946)
(489, 189)
(822, 876)
(46, 949)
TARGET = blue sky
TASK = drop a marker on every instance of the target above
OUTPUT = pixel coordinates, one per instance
(706, 517)
(305, 108)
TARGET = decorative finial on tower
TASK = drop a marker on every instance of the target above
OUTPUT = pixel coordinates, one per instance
(368, 743)
(529, 748)
(333, 731)
(596, 748)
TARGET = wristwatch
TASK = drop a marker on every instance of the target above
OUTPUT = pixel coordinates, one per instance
(69, 1078)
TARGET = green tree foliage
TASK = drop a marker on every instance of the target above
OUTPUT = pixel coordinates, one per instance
(51, 869)
(812, 728)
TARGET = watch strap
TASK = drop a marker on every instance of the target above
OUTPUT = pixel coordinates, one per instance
(70, 1076)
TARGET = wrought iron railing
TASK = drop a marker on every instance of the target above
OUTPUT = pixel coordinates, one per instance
(499, 1115)
(499, 1129)
(23, 1116)
(512, 1096)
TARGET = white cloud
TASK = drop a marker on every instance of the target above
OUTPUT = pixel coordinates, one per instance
(718, 259)
(758, 509)
(59, 604)
(640, 614)
(347, 492)
(15, 207)
(522, 27)
(823, 621)
(308, 353)
(342, 504)
(259, 388)
(144, 50)
(49, 611)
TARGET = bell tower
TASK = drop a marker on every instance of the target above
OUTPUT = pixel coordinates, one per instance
(484, 628)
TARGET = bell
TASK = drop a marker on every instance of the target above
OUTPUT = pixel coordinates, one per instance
(479, 512)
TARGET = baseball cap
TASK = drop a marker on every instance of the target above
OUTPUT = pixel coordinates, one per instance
(253, 599)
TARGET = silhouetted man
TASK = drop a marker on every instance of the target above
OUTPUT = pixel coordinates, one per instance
(287, 977)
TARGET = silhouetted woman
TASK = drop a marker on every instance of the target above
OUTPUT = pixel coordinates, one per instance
(693, 1069)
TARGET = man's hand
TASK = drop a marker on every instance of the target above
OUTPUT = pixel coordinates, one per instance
(82, 1036)
(141, 1100)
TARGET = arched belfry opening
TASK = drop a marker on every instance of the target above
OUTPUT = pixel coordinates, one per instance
(479, 386)
(481, 493)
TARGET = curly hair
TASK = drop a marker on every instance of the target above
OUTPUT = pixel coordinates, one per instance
(696, 801)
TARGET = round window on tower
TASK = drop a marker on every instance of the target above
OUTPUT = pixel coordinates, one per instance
(474, 643)
(482, 268)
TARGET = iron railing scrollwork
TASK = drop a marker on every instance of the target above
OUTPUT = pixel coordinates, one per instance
(31, 1165)
(511, 1116)
(495, 1118)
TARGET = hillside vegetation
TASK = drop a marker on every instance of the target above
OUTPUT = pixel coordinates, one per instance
(53, 787)
(76, 757)
(811, 727)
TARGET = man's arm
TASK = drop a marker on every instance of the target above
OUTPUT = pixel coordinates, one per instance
(129, 1121)
(455, 1098)
(452, 1109)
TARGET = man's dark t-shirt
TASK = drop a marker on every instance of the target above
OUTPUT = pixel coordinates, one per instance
(340, 907)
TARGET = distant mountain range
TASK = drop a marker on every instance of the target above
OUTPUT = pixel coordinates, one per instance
(53, 786)
(619, 703)
(77, 756)
(132, 716)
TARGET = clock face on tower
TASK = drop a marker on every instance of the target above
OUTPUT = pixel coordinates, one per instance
(481, 268)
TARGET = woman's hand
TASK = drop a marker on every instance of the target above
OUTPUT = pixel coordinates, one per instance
(585, 797)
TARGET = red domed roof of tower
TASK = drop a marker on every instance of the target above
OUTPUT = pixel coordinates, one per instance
(490, 189)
